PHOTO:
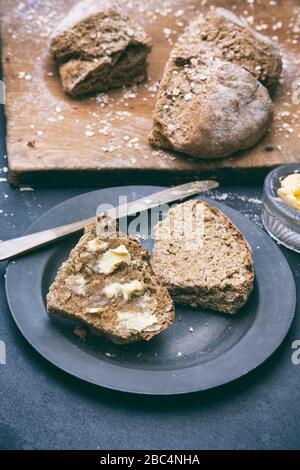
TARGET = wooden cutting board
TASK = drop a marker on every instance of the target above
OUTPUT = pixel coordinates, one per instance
(52, 139)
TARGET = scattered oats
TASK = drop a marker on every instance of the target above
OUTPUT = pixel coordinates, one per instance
(40, 133)
(28, 77)
(188, 96)
(129, 95)
(277, 26)
(167, 32)
(261, 27)
(179, 13)
(26, 188)
(191, 329)
(89, 133)
(5, 169)
(102, 99)
(58, 109)
(109, 354)
(179, 354)
(126, 137)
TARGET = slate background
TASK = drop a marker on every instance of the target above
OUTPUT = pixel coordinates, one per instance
(43, 408)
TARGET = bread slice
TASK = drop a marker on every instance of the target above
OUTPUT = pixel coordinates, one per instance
(107, 284)
(223, 35)
(98, 47)
(203, 259)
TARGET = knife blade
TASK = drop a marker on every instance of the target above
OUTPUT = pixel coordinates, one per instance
(18, 246)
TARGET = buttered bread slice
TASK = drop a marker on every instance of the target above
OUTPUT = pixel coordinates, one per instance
(108, 285)
(203, 259)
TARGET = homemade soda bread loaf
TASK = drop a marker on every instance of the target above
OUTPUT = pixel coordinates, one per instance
(212, 101)
(210, 110)
(97, 47)
(202, 258)
(108, 285)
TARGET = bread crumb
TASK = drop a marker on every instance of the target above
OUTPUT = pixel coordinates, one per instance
(80, 332)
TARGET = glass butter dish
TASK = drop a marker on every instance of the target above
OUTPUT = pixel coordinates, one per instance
(281, 220)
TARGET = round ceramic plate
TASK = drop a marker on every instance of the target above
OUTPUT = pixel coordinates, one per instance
(201, 350)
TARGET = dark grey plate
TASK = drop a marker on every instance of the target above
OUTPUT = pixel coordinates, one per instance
(220, 349)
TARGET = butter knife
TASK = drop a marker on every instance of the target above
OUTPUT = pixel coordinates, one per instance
(18, 246)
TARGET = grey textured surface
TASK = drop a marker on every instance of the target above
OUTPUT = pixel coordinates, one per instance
(43, 408)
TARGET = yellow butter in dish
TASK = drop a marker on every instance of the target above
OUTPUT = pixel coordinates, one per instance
(289, 191)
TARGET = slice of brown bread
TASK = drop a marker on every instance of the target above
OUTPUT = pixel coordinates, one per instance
(108, 285)
(97, 47)
(203, 259)
(223, 35)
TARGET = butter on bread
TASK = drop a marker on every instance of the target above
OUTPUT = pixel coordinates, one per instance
(109, 286)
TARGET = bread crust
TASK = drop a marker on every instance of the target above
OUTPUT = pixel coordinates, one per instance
(223, 35)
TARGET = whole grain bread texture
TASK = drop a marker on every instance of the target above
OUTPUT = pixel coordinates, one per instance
(212, 101)
(203, 259)
(223, 35)
(210, 110)
(98, 47)
(108, 286)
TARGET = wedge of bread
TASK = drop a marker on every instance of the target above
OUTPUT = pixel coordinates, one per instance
(97, 47)
(203, 259)
(108, 285)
